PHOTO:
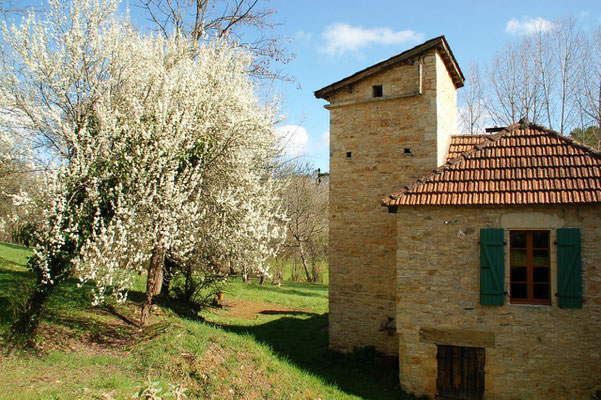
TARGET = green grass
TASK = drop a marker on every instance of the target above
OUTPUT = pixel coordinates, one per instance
(14, 254)
(281, 352)
(309, 296)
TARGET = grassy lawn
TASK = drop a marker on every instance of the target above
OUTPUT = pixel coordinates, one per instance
(268, 342)
(13, 254)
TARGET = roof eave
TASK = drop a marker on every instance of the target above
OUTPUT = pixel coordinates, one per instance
(439, 43)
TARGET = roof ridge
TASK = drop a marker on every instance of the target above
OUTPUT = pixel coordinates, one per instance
(471, 134)
(570, 140)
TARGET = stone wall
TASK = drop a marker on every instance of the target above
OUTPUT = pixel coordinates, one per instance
(377, 145)
(446, 103)
(532, 352)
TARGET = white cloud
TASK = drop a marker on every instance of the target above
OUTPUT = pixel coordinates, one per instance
(295, 139)
(325, 138)
(302, 36)
(527, 26)
(341, 38)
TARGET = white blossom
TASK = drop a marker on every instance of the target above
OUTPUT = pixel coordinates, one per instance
(150, 142)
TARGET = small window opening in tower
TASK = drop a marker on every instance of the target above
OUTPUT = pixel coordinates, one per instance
(348, 154)
(377, 91)
(407, 150)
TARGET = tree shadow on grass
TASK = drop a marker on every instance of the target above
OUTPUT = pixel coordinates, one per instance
(304, 342)
(179, 308)
(280, 312)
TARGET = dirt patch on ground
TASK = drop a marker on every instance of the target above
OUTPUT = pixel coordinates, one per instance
(251, 310)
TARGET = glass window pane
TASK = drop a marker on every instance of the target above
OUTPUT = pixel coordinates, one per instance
(541, 291)
(518, 257)
(541, 275)
(519, 274)
(541, 257)
(517, 239)
(540, 239)
(519, 291)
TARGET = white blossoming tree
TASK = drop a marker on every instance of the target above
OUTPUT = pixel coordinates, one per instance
(149, 137)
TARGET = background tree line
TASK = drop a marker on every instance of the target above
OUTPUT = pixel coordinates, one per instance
(552, 77)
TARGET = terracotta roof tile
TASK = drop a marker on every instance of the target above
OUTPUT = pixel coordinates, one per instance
(523, 164)
(462, 143)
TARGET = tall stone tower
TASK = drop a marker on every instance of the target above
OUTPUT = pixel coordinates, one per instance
(389, 125)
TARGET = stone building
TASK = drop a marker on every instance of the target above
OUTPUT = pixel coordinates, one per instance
(483, 273)
(389, 124)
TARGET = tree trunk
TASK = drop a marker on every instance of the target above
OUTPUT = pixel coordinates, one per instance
(599, 116)
(314, 270)
(30, 317)
(169, 267)
(159, 280)
(189, 285)
(294, 274)
(154, 281)
(304, 260)
(263, 278)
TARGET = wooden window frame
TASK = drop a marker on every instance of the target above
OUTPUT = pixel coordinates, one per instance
(530, 267)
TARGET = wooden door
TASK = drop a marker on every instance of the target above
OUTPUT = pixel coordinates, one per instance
(460, 373)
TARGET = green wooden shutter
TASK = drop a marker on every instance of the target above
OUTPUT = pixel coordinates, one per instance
(492, 266)
(569, 268)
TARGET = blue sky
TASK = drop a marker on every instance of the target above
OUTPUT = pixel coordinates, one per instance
(336, 38)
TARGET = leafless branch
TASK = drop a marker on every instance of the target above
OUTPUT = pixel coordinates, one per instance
(244, 23)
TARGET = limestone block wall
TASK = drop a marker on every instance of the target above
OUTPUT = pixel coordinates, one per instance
(532, 352)
(446, 103)
(377, 145)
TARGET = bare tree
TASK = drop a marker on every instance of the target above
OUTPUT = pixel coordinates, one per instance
(515, 85)
(306, 199)
(244, 22)
(568, 43)
(539, 78)
(537, 49)
(472, 104)
(589, 95)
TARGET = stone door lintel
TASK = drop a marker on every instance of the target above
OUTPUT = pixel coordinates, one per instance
(457, 337)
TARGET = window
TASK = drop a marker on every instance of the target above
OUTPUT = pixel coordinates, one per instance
(377, 91)
(529, 267)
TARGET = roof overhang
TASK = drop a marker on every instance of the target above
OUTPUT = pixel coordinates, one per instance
(406, 57)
